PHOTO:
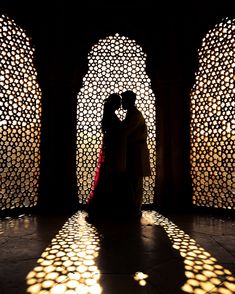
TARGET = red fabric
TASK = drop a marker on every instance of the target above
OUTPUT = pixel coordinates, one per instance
(97, 174)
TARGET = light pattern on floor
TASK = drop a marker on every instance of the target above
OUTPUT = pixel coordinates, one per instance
(69, 266)
(202, 270)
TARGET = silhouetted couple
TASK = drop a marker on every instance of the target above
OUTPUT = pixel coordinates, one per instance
(123, 161)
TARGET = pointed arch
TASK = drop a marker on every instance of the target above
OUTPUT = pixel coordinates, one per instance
(213, 120)
(115, 64)
(20, 118)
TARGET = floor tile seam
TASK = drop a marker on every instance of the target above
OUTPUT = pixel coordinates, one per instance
(228, 264)
(117, 273)
(159, 290)
(147, 269)
(221, 245)
(20, 260)
(4, 242)
(181, 226)
(214, 288)
(192, 231)
(128, 274)
(202, 233)
(24, 236)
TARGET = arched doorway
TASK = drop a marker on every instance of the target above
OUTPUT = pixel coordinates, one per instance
(115, 64)
(213, 120)
(20, 119)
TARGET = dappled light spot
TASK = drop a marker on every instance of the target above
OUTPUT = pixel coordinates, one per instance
(141, 278)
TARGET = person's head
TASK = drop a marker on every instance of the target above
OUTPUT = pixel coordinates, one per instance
(128, 99)
(113, 101)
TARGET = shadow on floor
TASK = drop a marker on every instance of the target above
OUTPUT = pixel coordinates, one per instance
(153, 254)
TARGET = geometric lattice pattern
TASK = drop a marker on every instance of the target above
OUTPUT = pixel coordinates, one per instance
(213, 120)
(20, 119)
(115, 64)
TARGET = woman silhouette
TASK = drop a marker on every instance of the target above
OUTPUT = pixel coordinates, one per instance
(104, 197)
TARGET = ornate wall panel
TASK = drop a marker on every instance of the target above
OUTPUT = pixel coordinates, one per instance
(20, 118)
(115, 64)
(213, 120)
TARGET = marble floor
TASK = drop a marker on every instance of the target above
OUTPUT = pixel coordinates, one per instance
(167, 254)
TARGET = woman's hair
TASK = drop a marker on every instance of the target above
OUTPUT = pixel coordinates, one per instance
(113, 99)
(110, 105)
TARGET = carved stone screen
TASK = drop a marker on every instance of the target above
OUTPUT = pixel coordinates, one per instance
(115, 64)
(20, 116)
(213, 120)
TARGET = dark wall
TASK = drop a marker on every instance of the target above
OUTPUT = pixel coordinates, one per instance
(63, 35)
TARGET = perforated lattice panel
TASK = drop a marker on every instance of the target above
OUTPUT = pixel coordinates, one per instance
(115, 64)
(20, 113)
(213, 120)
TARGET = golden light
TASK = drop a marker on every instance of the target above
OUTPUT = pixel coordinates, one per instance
(68, 270)
(202, 270)
(20, 118)
(68, 264)
(141, 278)
(115, 64)
(212, 120)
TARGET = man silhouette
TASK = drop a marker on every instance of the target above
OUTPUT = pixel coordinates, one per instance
(137, 153)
